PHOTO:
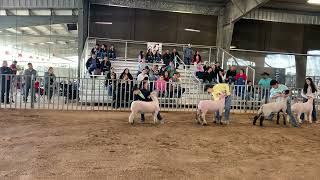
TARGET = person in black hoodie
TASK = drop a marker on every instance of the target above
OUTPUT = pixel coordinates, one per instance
(96, 49)
(105, 65)
(175, 57)
(231, 74)
(209, 76)
(166, 58)
(144, 95)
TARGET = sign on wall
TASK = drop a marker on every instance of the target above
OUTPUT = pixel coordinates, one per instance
(154, 46)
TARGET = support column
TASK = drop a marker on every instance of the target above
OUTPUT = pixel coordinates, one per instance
(301, 69)
(224, 38)
(83, 15)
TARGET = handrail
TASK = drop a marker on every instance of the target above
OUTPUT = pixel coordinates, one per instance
(273, 52)
(185, 70)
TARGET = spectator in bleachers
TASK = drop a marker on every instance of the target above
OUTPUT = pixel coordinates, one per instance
(141, 56)
(206, 66)
(126, 73)
(95, 50)
(188, 55)
(196, 58)
(156, 57)
(264, 84)
(175, 57)
(218, 68)
(199, 72)
(166, 58)
(161, 86)
(154, 73)
(5, 77)
(149, 56)
(209, 76)
(231, 75)
(102, 52)
(105, 65)
(29, 77)
(112, 53)
(141, 66)
(49, 80)
(166, 76)
(171, 69)
(111, 81)
(92, 64)
(163, 69)
(13, 67)
(142, 75)
(241, 79)
(176, 90)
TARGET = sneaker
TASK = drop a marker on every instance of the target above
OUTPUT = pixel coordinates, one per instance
(142, 121)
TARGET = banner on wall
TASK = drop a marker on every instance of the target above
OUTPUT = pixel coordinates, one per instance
(154, 46)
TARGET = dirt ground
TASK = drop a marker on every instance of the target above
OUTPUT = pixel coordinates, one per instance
(102, 145)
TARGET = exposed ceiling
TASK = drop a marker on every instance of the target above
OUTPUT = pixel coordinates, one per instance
(293, 5)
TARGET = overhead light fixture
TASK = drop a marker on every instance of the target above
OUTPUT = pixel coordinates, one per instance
(186, 12)
(0, 31)
(314, 2)
(233, 47)
(105, 23)
(50, 42)
(32, 44)
(42, 43)
(192, 30)
(115, 5)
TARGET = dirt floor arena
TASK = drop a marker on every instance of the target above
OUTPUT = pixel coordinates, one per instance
(102, 145)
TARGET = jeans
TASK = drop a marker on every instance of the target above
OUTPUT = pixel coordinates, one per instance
(289, 112)
(29, 87)
(92, 68)
(112, 56)
(109, 90)
(5, 89)
(314, 112)
(187, 60)
(227, 108)
(265, 95)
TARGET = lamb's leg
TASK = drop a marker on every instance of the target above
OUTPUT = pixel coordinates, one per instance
(198, 119)
(299, 118)
(284, 119)
(155, 117)
(131, 118)
(310, 117)
(255, 119)
(278, 118)
(261, 120)
(203, 116)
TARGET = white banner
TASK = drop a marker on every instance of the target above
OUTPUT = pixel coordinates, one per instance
(154, 46)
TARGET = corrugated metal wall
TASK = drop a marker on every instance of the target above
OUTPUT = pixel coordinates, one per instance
(283, 16)
(39, 4)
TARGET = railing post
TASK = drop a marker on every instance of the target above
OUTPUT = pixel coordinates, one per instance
(126, 51)
(210, 56)
(222, 60)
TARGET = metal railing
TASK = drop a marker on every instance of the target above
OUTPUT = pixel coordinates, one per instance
(97, 93)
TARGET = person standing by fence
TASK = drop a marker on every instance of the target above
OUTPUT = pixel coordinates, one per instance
(29, 78)
(49, 80)
(5, 76)
(264, 84)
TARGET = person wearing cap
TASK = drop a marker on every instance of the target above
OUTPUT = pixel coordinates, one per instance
(264, 84)
(277, 92)
(144, 95)
(215, 92)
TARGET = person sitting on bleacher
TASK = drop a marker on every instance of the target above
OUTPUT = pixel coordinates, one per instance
(105, 65)
(156, 57)
(92, 64)
(112, 53)
(142, 75)
(127, 73)
(102, 52)
(141, 66)
(95, 50)
(166, 58)
(111, 81)
(149, 56)
(209, 76)
(141, 56)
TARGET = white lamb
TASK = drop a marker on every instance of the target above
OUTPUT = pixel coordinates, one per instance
(306, 108)
(205, 106)
(145, 107)
(269, 108)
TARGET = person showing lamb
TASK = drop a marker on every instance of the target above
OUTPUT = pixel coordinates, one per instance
(274, 107)
(277, 94)
(303, 108)
(309, 90)
(205, 106)
(144, 103)
(215, 91)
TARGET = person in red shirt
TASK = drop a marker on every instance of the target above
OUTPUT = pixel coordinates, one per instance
(197, 58)
(241, 77)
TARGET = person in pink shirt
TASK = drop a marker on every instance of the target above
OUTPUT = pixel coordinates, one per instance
(161, 86)
(199, 72)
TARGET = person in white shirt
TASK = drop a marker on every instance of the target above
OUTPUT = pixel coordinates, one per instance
(309, 90)
(142, 76)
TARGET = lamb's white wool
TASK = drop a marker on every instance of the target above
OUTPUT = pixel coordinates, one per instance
(306, 108)
(273, 107)
(145, 107)
(205, 106)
